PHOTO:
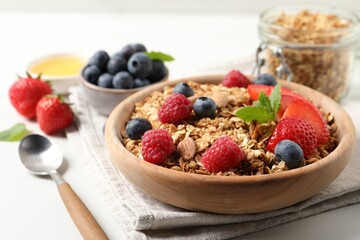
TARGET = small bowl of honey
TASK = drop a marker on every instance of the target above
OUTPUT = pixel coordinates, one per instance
(62, 70)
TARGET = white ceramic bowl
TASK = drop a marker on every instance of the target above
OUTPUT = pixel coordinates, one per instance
(104, 100)
(59, 83)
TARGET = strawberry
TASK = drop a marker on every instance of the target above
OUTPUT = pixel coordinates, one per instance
(287, 96)
(26, 92)
(286, 99)
(53, 114)
(295, 129)
(255, 89)
(305, 110)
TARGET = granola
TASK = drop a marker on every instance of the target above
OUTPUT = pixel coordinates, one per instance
(251, 137)
(326, 69)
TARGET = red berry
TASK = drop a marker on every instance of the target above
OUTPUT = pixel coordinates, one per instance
(175, 109)
(307, 111)
(286, 100)
(236, 79)
(255, 89)
(25, 93)
(223, 155)
(295, 129)
(157, 146)
(53, 115)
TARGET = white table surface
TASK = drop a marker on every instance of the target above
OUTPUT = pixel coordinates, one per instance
(30, 207)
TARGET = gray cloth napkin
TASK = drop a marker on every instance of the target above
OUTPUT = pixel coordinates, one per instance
(147, 218)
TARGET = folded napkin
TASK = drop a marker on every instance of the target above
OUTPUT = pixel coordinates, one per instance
(147, 218)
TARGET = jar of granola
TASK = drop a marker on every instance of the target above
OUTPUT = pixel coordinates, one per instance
(312, 45)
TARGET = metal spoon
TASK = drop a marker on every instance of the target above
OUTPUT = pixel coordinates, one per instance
(40, 156)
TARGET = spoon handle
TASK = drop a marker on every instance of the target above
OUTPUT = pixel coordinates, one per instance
(83, 219)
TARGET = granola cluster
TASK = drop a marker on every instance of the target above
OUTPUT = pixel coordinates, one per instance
(324, 69)
(251, 137)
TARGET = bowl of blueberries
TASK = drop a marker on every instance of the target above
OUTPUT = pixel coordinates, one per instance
(108, 80)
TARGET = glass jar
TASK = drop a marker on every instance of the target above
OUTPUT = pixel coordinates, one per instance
(314, 45)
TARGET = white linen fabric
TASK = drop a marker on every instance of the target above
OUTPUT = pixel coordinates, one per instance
(147, 218)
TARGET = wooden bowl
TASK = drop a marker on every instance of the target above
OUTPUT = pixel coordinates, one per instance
(224, 194)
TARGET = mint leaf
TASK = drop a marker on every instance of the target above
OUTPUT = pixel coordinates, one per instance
(265, 102)
(263, 110)
(15, 133)
(275, 98)
(252, 113)
(159, 56)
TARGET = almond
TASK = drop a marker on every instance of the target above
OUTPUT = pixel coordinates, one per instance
(193, 98)
(187, 148)
(220, 98)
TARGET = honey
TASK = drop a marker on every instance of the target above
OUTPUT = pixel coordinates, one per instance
(58, 65)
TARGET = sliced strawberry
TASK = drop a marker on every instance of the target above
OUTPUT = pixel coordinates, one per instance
(305, 110)
(295, 129)
(286, 99)
(255, 89)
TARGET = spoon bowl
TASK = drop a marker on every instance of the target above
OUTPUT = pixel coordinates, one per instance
(40, 156)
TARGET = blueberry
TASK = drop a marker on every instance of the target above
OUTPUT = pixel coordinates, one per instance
(105, 80)
(116, 64)
(100, 59)
(140, 65)
(159, 71)
(136, 128)
(265, 79)
(184, 89)
(91, 73)
(289, 152)
(139, 47)
(123, 80)
(141, 82)
(204, 107)
(126, 52)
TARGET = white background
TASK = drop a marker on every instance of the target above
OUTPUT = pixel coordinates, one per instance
(30, 207)
(121, 6)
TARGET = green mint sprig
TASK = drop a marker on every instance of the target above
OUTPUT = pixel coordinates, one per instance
(263, 110)
(160, 56)
(15, 133)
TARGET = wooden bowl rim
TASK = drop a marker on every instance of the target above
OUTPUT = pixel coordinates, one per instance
(113, 132)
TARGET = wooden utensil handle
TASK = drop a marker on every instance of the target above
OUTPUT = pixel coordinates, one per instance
(83, 219)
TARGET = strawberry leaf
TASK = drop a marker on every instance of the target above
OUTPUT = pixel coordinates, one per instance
(159, 56)
(15, 133)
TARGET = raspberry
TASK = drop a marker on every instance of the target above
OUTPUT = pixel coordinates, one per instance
(157, 146)
(222, 155)
(175, 109)
(236, 79)
(297, 130)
